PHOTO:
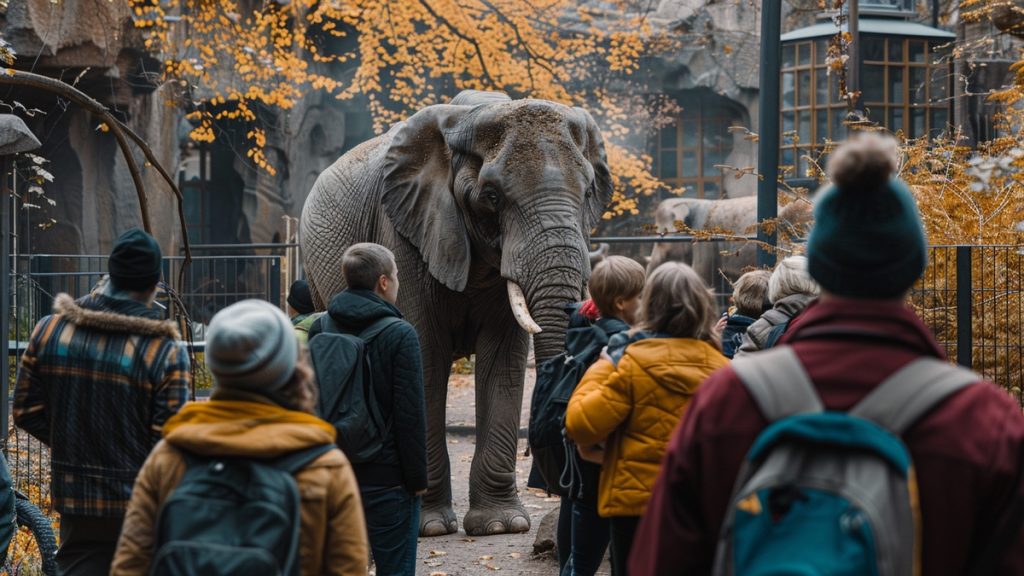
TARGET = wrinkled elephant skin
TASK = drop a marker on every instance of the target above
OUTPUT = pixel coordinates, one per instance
(732, 216)
(486, 203)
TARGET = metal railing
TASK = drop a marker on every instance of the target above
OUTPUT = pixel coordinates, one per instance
(216, 279)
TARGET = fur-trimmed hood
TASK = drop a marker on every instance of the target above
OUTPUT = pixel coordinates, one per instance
(113, 315)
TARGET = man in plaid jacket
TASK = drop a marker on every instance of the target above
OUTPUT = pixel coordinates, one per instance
(98, 380)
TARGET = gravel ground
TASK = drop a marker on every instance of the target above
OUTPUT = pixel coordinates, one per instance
(458, 554)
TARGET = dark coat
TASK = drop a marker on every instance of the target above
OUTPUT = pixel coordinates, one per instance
(732, 335)
(968, 452)
(398, 379)
(99, 379)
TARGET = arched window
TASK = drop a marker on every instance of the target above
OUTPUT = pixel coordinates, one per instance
(688, 151)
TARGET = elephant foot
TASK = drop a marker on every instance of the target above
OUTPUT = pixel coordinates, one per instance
(480, 521)
(437, 520)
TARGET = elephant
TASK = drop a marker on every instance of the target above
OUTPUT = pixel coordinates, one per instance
(712, 260)
(487, 204)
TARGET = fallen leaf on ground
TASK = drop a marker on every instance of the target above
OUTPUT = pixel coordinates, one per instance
(438, 553)
(514, 554)
(485, 558)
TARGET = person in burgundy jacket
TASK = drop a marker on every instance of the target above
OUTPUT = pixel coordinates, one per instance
(866, 250)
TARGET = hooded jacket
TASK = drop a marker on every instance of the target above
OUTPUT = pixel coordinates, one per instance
(332, 537)
(968, 452)
(756, 336)
(98, 380)
(633, 407)
(397, 373)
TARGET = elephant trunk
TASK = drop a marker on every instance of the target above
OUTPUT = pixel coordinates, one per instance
(548, 290)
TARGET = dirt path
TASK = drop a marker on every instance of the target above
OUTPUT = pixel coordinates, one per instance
(458, 554)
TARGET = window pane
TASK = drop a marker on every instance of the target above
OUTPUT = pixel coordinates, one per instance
(690, 134)
(838, 129)
(667, 165)
(804, 87)
(821, 126)
(711, 158)
(833, 87)
(895, 84)
(916, 122)
(895, 119)
(788, 96)
(787, 56)
(801, 162)
(787, 158)
(788, 126)
(916, 51)
(820, 51)
(895, 49)
(804, 53)
(939, 119)
(872, 48)
(668, 136)
(938, 90)
(916, 85)
(820, 87)
(873, 84)
(804, 127)
(711, 190)
(689, 166)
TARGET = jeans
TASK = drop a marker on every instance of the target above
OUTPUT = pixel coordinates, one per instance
(623, 530)
(590, 535)
(563, 535)
(393, 527)
(87, 545)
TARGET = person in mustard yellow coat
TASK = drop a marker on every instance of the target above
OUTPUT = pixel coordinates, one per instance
(624, 410)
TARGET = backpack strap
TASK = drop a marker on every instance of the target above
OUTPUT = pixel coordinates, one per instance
(377, 327)
(910, 392)
(777, 381)
(296, 461)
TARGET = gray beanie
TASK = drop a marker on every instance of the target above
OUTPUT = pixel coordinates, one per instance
(251, 346)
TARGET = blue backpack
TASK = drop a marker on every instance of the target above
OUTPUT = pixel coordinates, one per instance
(830, 493)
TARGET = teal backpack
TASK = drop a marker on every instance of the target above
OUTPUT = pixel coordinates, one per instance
(233, 516)
(830, 493)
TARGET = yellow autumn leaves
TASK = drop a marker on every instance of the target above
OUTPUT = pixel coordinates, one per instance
(400, 56)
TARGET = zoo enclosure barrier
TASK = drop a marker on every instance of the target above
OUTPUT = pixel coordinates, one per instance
(972, 297)
(219, 276)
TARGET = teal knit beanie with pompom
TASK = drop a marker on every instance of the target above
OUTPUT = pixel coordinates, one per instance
(867, 241)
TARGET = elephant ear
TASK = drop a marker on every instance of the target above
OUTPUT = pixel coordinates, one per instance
(418, 197)
(601, 195)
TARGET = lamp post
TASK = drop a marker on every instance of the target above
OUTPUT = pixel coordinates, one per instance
(768, 128)
(15, 137)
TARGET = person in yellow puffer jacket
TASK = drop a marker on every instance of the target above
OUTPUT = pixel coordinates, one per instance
(624, 410)
(261, 408)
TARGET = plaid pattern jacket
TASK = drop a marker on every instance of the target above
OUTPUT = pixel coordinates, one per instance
(98, 380)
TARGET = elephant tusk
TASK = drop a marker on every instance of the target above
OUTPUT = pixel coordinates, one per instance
(519, 309)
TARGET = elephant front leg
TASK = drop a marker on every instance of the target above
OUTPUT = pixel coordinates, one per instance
(494, 505)
(437, 518)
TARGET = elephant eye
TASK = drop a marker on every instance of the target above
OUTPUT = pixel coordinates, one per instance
(491, 196)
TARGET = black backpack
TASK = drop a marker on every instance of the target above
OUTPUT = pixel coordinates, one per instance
(348, 399)
(233, 516)
(556, 380)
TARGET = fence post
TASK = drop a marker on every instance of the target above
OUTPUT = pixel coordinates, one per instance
(964, 305)
(5, 290)
(275, 281)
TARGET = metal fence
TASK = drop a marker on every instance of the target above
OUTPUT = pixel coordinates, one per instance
(971, 296)
(212, 282)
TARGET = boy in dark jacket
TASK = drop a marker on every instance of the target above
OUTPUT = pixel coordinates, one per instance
(866, 250)
(391, 484)
(750, 295)
(615, 287)
(99, 379)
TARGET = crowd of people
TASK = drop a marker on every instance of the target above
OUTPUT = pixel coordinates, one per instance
(772, 439)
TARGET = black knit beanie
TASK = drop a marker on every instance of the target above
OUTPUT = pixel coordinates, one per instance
(300, 298)
(868, 240)
(135, 262)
